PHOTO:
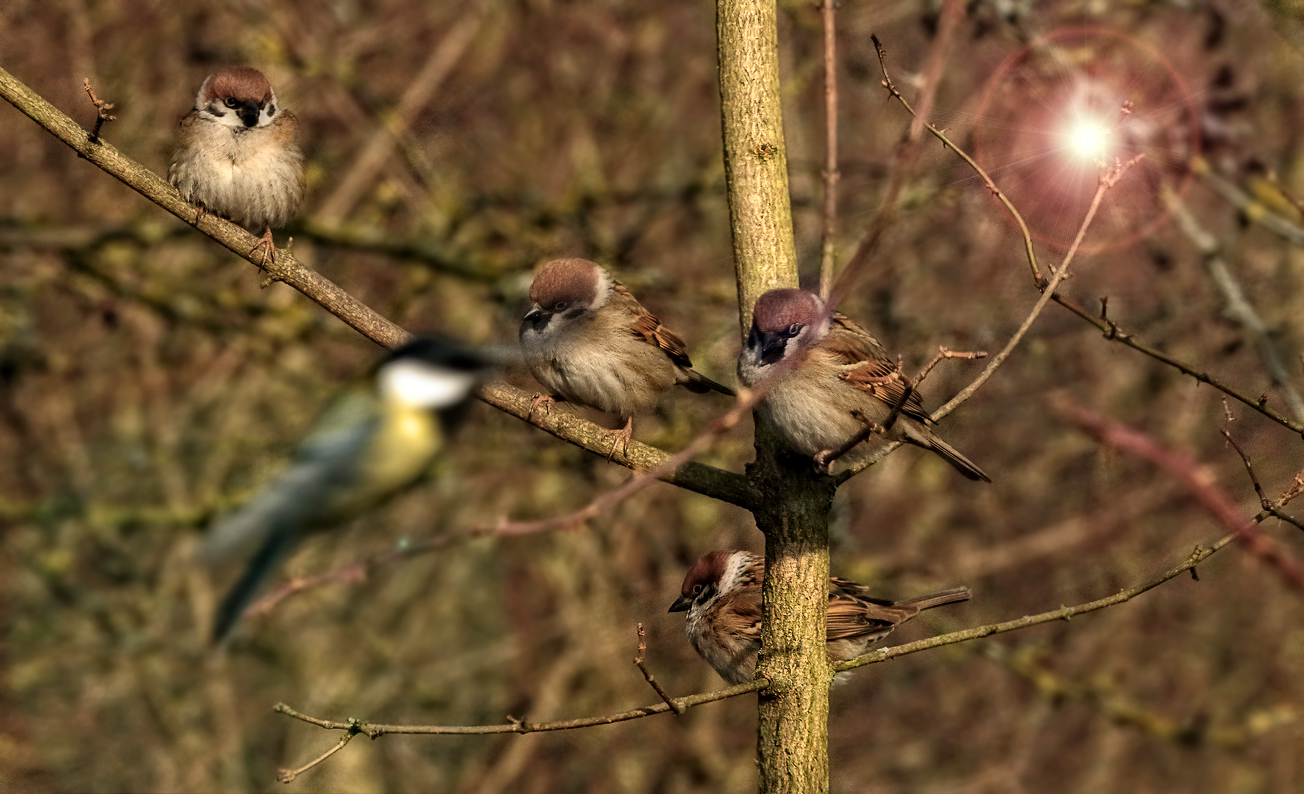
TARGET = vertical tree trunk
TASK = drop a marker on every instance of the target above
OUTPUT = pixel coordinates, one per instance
(792, 740)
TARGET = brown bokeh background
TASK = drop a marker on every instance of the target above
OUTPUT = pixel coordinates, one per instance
(148, 383)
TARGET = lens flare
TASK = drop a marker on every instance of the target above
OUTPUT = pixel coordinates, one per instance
(1089, 140)
(1075, 98)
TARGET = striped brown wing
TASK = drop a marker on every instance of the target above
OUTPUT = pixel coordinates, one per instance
(867, 363)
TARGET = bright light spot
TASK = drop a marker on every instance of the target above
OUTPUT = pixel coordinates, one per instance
(1088, 139)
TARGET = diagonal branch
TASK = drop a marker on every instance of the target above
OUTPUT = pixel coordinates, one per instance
(703, 479)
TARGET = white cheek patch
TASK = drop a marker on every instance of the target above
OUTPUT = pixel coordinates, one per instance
(424, 385)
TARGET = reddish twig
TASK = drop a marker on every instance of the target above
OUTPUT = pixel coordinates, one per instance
(1196, 479)
(828, 11)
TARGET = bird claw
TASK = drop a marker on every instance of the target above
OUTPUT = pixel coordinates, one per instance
(544, 400)
(269, 250)
(823, 462)
(621, 438)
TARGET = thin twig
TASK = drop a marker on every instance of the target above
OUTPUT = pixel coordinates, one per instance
(376, 730)
(906, 155)
(289, 775)
(972, 163)
(1108, 178)
(1196, 479)
(1269, 506)
(828, 256)
(102, 109)
(1238, 306)
(1246, 203)
(647, 675)
(1115, 333)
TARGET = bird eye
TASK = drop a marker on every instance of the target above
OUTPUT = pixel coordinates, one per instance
(559, 306)
(697, 589)
(231, 102)
(794, 329)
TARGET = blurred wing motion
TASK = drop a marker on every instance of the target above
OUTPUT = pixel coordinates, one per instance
(371, 444)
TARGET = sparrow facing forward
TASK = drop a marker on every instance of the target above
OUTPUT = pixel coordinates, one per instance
(846, 370)
(722, 595)
(589, 341)
(239, 155)
(373, 442)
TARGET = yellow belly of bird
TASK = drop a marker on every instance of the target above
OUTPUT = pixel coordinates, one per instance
(403, 449)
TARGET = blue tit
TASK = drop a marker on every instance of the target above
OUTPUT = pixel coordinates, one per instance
(371, 443)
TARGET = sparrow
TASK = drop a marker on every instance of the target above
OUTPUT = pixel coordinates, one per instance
(373, 442)
(238, 154)
(722, 596)
(845, 381)
(586, 339)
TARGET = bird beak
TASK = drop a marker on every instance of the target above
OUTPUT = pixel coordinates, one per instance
(681, 604)
(766, 349)
(537, 318)
(248, 113)
(772, 349)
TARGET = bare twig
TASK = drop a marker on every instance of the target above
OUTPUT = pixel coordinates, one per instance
(102, 109)
(289, 775)
(906, 155)
(1238, 305)
(376, 730)
(1196, 479)
(828, 256)
(1269, 506)
(1114, 332)
(647, 675)
(972, 163)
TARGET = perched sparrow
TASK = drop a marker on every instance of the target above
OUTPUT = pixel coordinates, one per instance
(371, 443)
(239, 154)
(814, 405)
(588, 340)
(722, 595)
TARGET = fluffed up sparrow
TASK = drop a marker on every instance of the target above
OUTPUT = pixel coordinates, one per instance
(722, 595)
(238, 154)
(814, 405)
(373, 442)
(586, 339)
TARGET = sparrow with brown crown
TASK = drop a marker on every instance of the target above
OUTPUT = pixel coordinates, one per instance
(238, 154)
(586, 339)
(722, 596)
(845, 380)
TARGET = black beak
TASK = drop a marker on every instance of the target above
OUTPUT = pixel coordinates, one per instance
(772, 348)
(248, 113)
(537, 318)
(681, 604)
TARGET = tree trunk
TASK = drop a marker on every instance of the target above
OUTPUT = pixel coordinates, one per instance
(792, 740)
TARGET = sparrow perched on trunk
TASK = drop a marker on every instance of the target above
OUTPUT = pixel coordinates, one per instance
(589, 341)
(845, 381)
(722, 596)
(372, 443)
(239, 154)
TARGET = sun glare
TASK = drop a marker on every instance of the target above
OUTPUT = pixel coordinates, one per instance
(1089, 139)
